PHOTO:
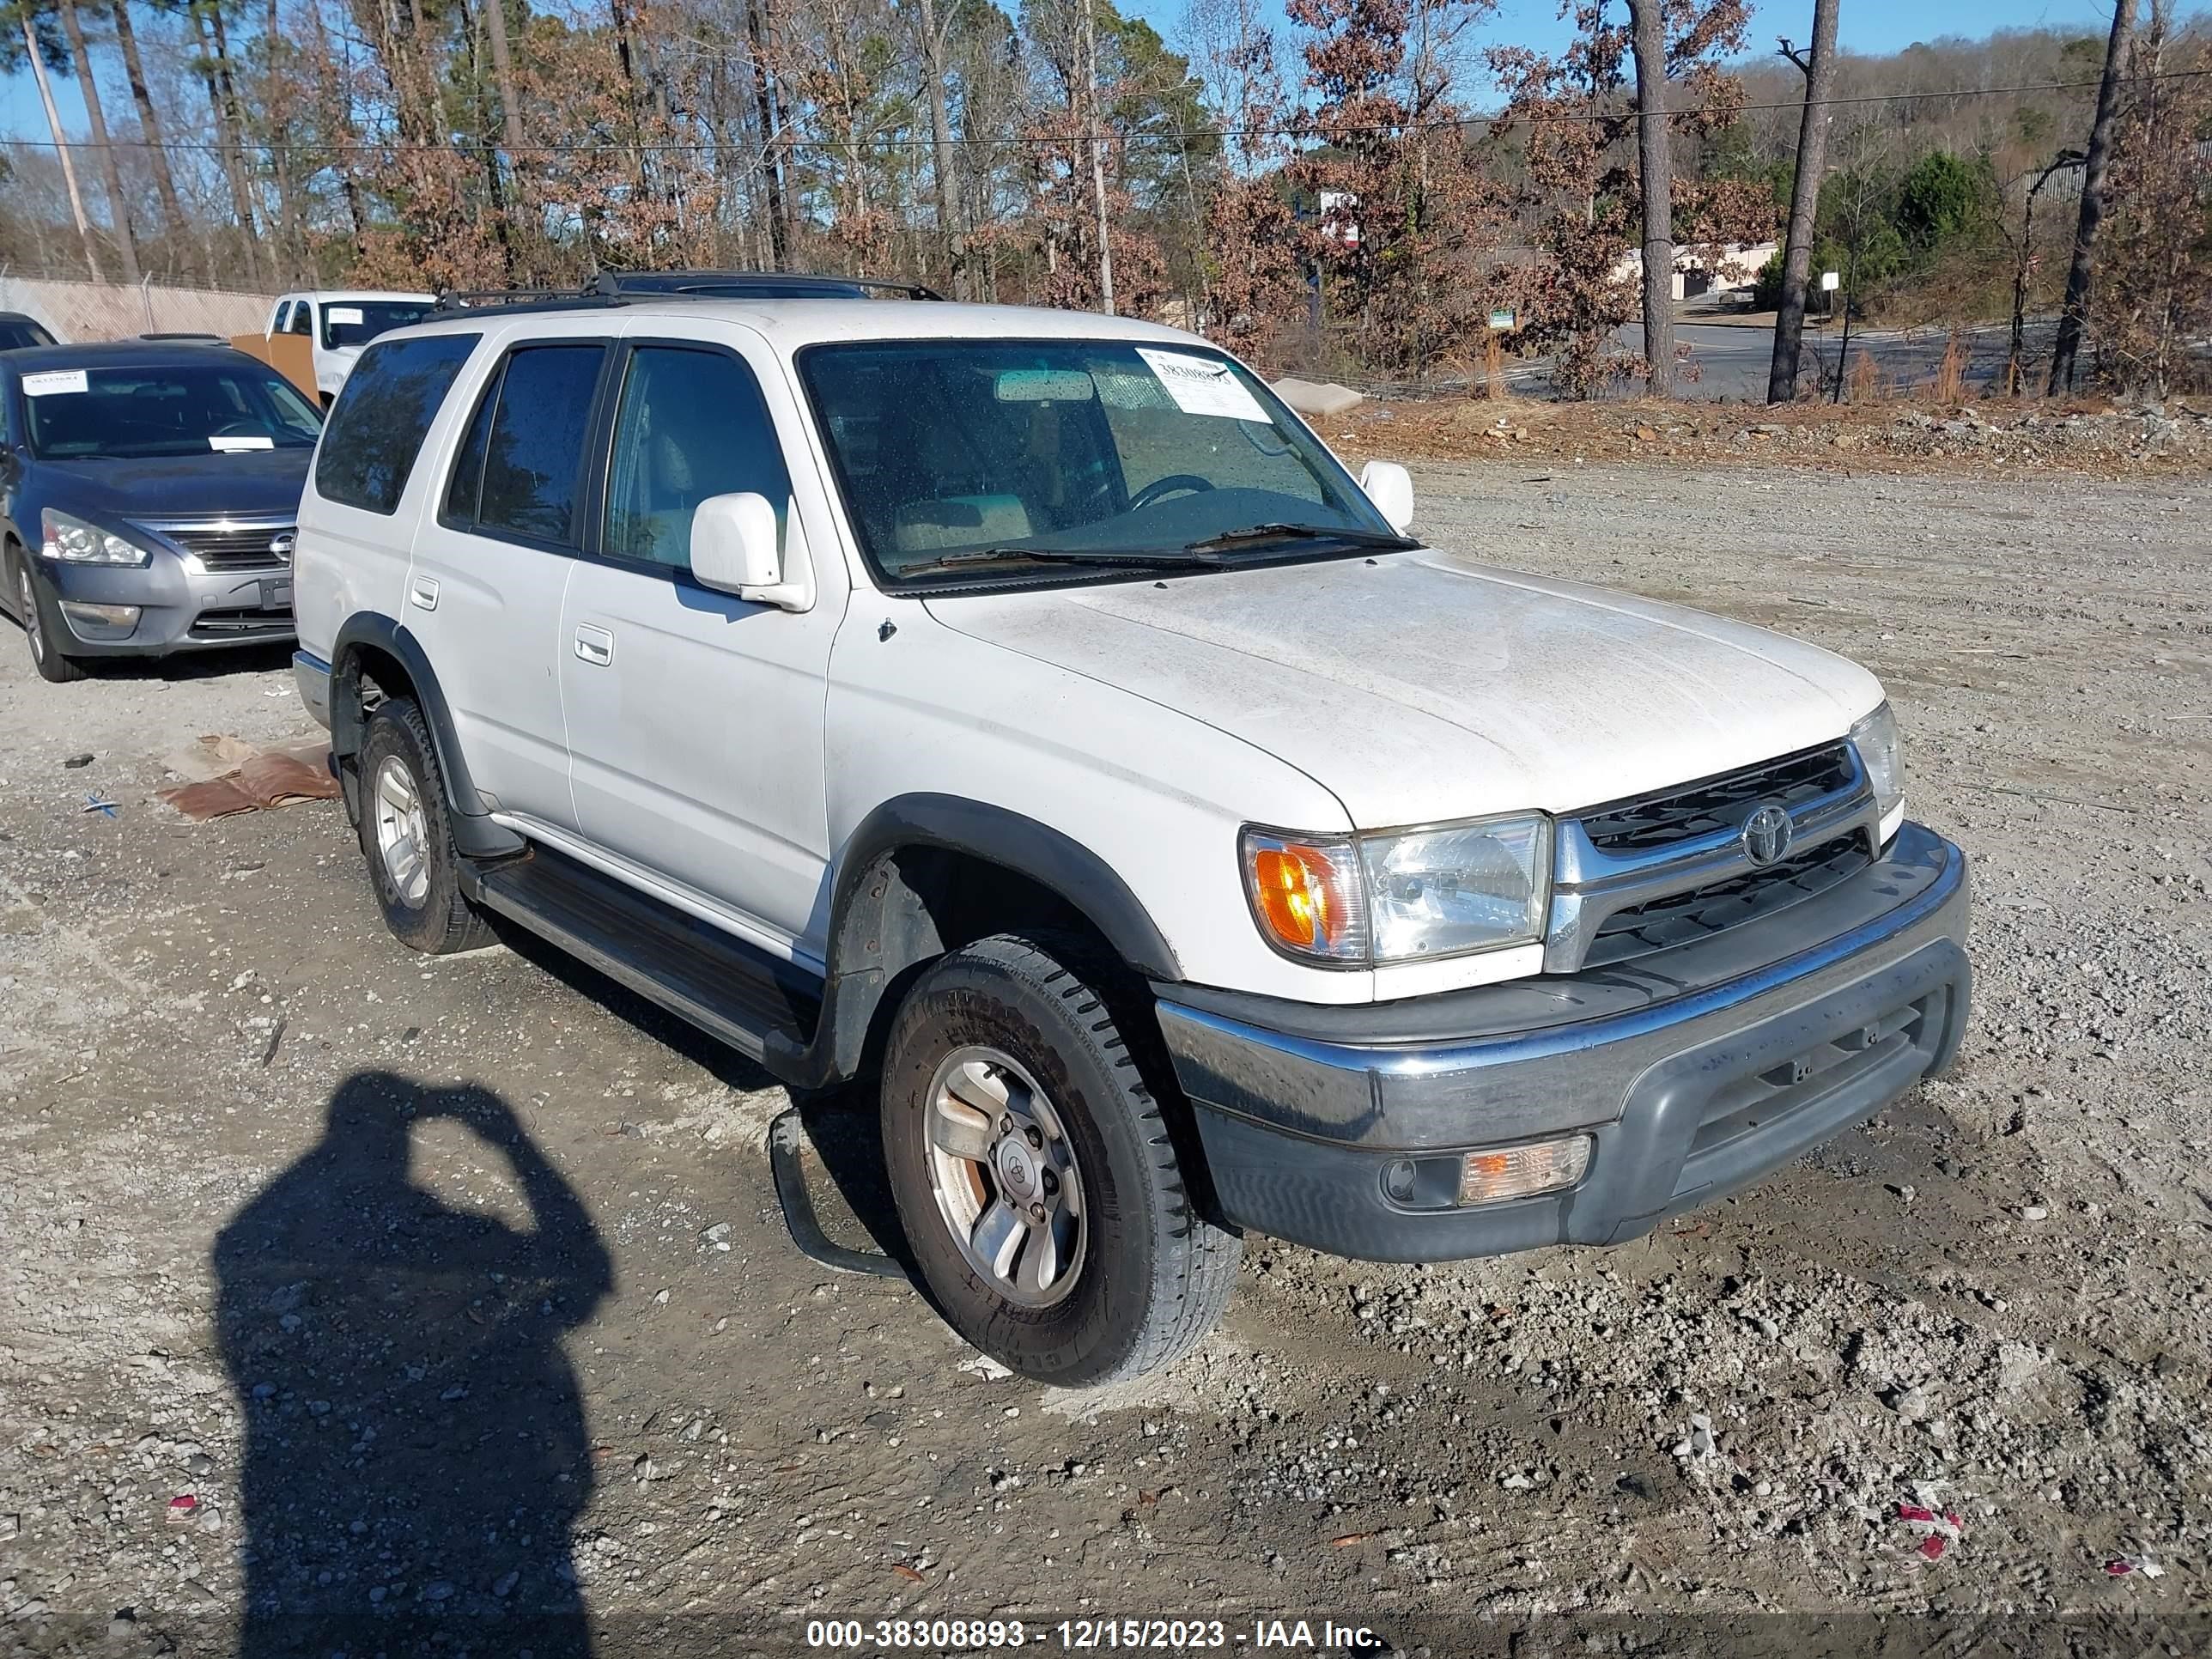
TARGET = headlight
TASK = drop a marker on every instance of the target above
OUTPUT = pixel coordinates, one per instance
(1875, 739)
(1404, 896)
(72, 541)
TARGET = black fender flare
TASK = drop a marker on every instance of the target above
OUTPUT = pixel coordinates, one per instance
(474, 833)
(880, 925)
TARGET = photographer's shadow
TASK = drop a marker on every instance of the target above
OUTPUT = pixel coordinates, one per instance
(416, 1444)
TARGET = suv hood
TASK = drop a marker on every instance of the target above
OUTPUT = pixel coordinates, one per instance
(1418, 686)
(254, 484)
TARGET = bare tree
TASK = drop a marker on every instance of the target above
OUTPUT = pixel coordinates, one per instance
(940, 133)
(149, 123)
(1648, 19)
(61, 143)
(2083, 270)
(2023, 269)
(1095, 143)
(1820, 69)
(118, 207)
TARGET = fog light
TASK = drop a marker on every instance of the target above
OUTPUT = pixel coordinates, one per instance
(101, 616)
(1518, 1171)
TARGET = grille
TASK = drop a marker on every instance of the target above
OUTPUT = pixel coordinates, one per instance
(232, 547)
(1715, 804)
(1681, 918)
(239, 624)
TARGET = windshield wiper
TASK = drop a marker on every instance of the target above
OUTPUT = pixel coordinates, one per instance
(1126, 555)
(1351, 535)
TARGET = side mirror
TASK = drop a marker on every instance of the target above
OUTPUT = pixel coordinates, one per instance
(1390, 487)
(734, 551)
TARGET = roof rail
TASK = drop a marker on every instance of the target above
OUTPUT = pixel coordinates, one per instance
(757, 284)
(614, 287)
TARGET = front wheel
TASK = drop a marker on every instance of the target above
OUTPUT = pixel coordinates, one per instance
(1035, 1175)
(46, 655)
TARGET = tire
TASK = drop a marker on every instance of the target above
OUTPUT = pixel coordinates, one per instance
(407, 839)
(1118, 1279)
(47, 657)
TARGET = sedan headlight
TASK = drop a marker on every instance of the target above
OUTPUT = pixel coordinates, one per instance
(1403, 895)
(1875, 739)
(72, 541)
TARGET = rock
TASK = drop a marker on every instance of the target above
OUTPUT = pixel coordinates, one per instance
(78, 762)
(1914, 1405)
(1323, 399)
(717, 1233)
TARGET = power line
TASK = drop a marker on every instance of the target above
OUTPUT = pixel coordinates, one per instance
(1073, 141)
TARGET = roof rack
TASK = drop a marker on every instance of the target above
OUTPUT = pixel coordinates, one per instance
(614, 287)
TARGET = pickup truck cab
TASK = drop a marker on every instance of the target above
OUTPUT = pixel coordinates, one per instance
(1024, 711)
(339, 322)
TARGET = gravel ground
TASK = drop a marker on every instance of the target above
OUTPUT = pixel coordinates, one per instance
(483, 1256)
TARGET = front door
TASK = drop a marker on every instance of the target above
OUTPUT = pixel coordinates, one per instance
(695, 718)
(491, 564)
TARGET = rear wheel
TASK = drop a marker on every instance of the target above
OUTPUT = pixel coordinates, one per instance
(1035, 1178)
(407, 839)
(46, 655)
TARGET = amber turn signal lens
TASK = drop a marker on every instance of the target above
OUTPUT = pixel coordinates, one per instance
(1518, 1171)
(1292, 886)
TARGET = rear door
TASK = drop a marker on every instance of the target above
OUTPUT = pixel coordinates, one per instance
(695, 718)
(493, 559)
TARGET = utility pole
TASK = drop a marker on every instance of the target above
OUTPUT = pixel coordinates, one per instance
(1819, 71)
(1648, 19)
(1097, 146)
(61, 146)
(2083, 269)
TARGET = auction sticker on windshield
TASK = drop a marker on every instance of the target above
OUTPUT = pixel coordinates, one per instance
(1200, 386)
(223, 444)
(52, 380)
(343, 315)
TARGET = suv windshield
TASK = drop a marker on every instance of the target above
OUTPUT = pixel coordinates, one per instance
(116, 414)
(978, 456)
(356, 322)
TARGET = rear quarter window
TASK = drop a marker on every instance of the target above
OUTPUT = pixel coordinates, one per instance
(382, 415)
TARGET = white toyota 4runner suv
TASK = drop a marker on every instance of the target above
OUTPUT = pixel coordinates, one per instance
(1025, 709)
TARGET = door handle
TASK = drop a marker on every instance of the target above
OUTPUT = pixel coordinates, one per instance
(594, 645)
(422, 591)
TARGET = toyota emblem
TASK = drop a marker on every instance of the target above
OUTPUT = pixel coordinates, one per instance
(1767, 834)
(281, 546)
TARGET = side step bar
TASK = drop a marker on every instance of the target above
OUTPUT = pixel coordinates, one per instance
(736, 994)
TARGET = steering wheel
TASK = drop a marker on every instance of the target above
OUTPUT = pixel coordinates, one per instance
(1159, 486)
(241, 430)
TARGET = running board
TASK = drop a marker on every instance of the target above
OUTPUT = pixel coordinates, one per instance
(734, 993)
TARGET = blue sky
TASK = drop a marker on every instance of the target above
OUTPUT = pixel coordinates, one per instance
(1868, 25)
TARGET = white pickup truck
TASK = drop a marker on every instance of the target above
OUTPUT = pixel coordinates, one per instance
(338, 322)
(1025, 710)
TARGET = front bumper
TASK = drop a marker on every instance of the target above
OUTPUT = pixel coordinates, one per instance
(1694, 1071)
(180, 607)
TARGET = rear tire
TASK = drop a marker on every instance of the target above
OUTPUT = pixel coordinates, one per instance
(46, 656)
(1033, 1171)
(407, 838)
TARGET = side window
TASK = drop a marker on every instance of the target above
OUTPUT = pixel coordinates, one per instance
(465, 488)
(303, 318)
(280, 319)
(691, 423)
(533, 454)
(382, 414)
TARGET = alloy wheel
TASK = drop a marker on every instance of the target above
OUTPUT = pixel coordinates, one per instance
(403, 834)
(31, 630)
(1004, 1175)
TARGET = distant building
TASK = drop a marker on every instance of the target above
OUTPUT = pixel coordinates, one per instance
(1704, 267)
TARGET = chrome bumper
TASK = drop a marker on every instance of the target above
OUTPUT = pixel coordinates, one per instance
(1694, 1071)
